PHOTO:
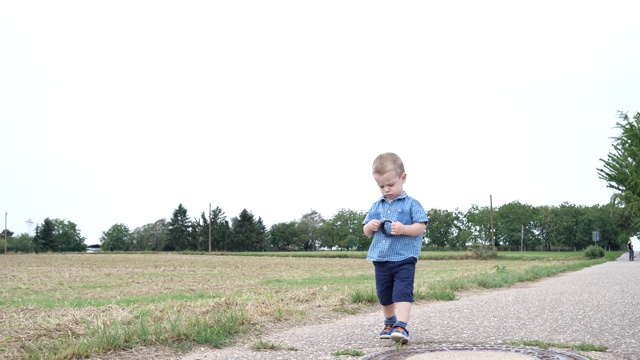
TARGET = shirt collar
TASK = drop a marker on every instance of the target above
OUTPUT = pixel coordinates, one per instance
(402, 196)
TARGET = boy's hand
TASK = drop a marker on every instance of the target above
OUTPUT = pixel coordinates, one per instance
(397, 228)
(374, 225)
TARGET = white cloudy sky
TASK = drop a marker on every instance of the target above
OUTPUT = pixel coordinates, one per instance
(118, 111)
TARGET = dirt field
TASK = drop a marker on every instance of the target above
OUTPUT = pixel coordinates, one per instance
(50, 297)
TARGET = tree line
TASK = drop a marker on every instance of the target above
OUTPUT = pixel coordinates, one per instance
(53, 235)
(516, 226)
(511, 226)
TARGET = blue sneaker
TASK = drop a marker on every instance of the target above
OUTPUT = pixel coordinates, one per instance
(400, 335)
(386, 332)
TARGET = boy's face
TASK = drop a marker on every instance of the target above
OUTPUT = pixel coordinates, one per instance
(390, 184)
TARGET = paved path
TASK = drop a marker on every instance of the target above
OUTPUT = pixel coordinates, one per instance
(599, 305)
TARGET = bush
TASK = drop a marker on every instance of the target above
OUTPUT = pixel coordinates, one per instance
(594, 252)
(20, 244)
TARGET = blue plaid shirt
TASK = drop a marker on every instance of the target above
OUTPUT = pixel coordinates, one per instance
(404, 209)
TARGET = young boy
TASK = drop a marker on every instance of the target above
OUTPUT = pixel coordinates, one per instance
(397, 223)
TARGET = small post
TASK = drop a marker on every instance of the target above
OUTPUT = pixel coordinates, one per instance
(493, 240)
(5, 232)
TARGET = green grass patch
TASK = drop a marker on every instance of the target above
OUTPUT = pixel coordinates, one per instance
(504, 277)
(216, 329)
(268, 345)
(349, 352)
(500, 276)
(435, 294)
(369, 296)
(590, 347)
(547, 345)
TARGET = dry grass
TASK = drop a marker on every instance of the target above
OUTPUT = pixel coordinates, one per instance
(49, 297)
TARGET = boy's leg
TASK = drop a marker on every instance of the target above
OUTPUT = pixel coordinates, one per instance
(389, 310)
(389, 320)
(404, 276)
(384, 289)
(400, 333)
(403, 310)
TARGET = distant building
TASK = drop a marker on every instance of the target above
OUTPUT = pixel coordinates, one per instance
(93, 248)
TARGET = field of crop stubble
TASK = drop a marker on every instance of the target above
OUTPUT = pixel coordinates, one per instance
(61, 306)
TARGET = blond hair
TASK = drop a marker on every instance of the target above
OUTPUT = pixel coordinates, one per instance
(388, 162)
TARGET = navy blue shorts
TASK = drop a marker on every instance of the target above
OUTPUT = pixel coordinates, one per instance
(394, 280)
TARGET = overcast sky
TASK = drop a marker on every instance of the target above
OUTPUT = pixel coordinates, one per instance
(118, 111)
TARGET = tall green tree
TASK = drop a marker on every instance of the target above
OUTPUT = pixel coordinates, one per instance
(570, 227)
(43, 241)
(220, 230)
(542, 224)
(284, 236)
(607, 220)
(441, 231)
(200, 231)
(57, 235)
(514, 225)
(344, 230)
(247, 233)
(179, 230)
(478, 221)
(261, 231)
(67, 236)
(308, 227)
(150, 237)
(117, 238)
(621, 169)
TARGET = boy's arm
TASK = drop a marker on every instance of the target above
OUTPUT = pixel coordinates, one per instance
(415, 229)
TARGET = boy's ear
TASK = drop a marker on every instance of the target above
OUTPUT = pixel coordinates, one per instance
(403, 177)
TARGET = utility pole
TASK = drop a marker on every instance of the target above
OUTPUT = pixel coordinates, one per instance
(493, 240)
(5, 232)
(209, 227)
